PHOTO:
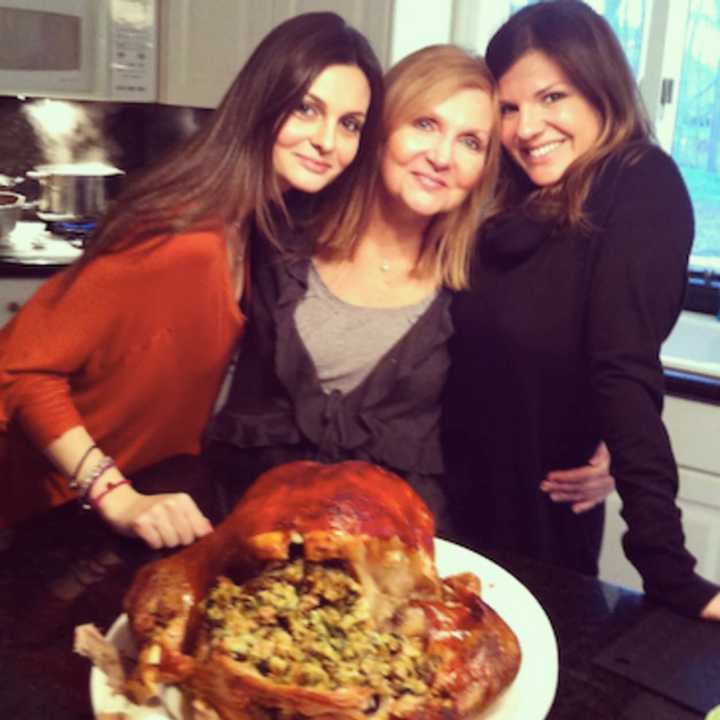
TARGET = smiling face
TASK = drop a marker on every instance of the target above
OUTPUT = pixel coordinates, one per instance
(320, 138)
(546, 123)
(431, 162)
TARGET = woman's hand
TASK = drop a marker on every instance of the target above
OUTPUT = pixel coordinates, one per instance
(165, 520)
(584, 486)
(712, 610)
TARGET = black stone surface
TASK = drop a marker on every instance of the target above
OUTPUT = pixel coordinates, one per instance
(692, 386)
(673, 656)
(10, 269)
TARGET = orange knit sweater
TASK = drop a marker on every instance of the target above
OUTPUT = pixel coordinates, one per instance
(135, 350)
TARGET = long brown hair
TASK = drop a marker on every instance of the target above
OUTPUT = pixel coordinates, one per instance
(584, 46)
(224, 173)
(420, 80)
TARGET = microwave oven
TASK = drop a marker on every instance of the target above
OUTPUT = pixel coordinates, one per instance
(79, 49)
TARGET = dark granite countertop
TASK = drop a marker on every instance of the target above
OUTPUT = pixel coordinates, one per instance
(10, 268)
(65, 569)
(692, 386)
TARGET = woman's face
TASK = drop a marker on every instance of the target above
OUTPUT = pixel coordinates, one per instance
(431, 162)
(320, 137)
(546, 122)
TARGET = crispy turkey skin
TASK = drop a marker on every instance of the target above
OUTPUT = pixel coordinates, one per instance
(318, 597)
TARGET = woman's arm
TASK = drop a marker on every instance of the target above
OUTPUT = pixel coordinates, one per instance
(636, 292)
(164, 520)
(60, 340)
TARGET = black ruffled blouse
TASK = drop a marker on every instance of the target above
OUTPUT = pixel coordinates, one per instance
(277, 411)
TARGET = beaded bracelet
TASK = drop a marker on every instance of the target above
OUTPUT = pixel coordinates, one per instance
(87, 483)
(78, 467)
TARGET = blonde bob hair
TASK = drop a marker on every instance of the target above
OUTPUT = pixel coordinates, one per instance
(421, 80)
(415, 84)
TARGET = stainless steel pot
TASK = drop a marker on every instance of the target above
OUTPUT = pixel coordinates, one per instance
(75, 191)
(11, 207)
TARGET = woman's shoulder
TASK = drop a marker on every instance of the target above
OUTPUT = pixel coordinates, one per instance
(644, 208)
(642, 165)
(639, 176)
(202, 240)
(152, 262)
(289, 254)
(195, 245)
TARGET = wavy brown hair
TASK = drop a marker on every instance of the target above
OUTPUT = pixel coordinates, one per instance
(224, 173)
(584, 46)
(419, 81)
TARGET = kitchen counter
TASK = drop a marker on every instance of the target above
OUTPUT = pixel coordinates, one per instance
(692, 386)
(28, 256)
(30, 248)
(691, 358)
(65, 569)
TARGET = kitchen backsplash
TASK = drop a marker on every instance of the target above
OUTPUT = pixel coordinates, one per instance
(127, 135)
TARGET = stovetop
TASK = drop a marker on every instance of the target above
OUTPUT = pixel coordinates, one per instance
(30, 243)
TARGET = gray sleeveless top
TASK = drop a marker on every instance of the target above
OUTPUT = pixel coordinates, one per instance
(347, 341)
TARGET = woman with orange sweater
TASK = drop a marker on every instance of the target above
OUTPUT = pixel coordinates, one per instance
(115, 363)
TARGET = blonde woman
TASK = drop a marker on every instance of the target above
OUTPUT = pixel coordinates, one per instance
(346, 346)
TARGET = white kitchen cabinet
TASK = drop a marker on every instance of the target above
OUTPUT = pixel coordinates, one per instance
(694, 429)
(14, 291)
(202, 45)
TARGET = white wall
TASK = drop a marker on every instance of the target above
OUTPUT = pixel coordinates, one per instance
(469, 23)
(417, 23)
(475, 22)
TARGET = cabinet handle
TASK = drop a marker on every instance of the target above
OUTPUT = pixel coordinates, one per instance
(13, 307)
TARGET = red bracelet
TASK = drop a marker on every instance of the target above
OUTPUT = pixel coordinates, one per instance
(95, 502)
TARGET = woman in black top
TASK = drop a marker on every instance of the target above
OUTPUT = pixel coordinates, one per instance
(575, 286)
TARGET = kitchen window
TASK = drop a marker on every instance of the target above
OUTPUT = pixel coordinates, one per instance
(673, 47)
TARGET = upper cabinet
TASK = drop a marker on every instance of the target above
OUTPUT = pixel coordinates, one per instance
(202, 45)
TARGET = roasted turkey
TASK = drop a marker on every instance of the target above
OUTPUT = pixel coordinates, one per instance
(318, 597)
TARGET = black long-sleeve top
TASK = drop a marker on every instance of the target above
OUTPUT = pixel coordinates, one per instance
(277, 410)
(556, 347)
